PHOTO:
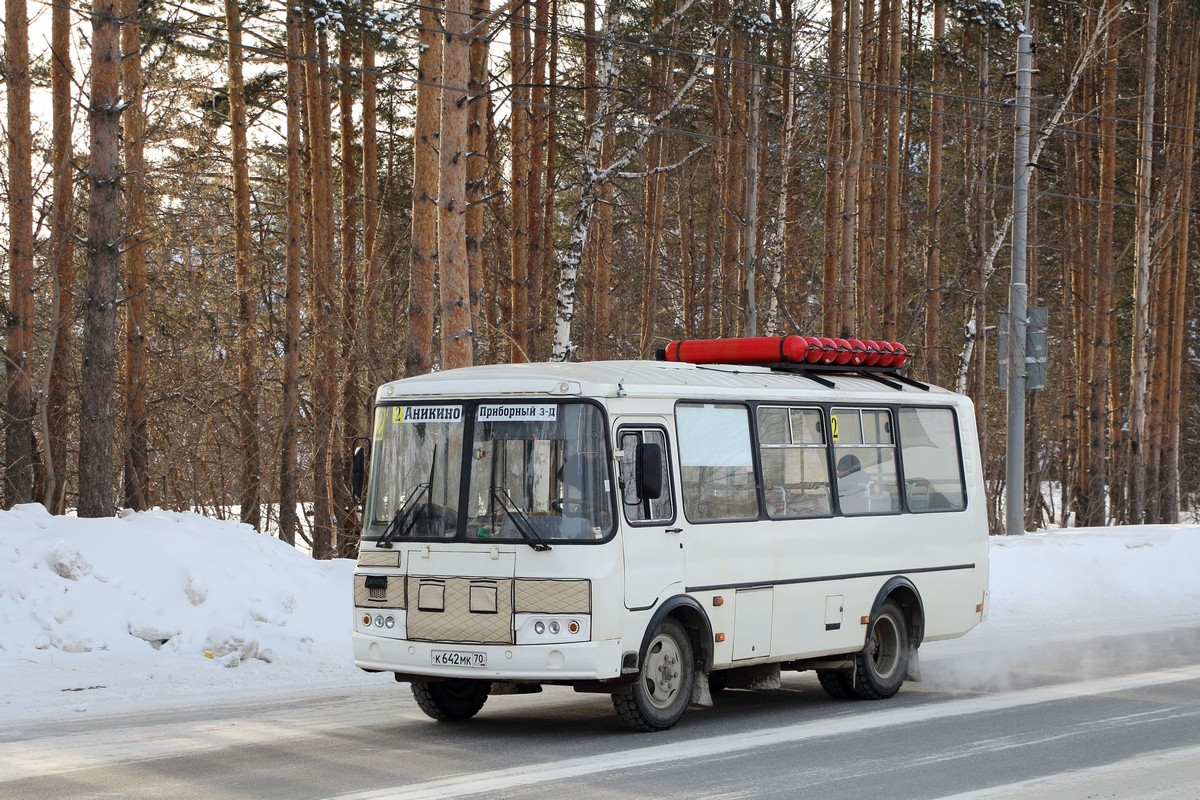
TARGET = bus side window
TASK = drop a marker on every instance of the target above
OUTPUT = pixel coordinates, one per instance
(644, 510)
(864, 453)
(791, 445)
(932, 463)
(716, 463)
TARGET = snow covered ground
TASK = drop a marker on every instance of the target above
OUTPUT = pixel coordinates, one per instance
(164, 609)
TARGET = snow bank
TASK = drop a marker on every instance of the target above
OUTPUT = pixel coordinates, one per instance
(163, 609)
(159, 608)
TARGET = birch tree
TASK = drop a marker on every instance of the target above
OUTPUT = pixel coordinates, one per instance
(597, 176)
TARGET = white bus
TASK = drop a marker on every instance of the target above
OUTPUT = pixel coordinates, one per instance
(656, 530)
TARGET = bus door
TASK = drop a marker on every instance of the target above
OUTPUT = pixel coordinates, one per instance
(652, 545)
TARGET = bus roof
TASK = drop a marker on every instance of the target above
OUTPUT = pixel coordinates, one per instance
(649, 379)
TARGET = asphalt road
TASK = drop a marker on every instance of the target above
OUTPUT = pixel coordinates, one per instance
(1099, 718)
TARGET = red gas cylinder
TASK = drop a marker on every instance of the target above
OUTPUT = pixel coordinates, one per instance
(844, 352)
(746, 350)
(816, 350)
(858, 352)
(829, 352)
(887, 354)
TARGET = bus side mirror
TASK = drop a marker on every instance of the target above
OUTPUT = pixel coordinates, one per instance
(649, 471)
(358, 467)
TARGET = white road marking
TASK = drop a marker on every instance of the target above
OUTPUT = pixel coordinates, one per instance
(530, 774)
(1154, 776)
(57, 754)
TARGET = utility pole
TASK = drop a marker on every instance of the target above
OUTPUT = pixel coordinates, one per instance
(1014, 505)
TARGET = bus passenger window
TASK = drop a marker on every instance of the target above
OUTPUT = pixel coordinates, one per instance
(716, 462)
(641, 510)
(932, 463)
(795, 469)
(864, 451)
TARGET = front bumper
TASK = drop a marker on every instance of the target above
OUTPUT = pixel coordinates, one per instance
(506, 662)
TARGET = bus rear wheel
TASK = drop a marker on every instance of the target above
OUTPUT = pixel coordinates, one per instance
(882, 664)
(663, 688)
(452, 699)
(836, 683)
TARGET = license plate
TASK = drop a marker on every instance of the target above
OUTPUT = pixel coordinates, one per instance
(455, 658)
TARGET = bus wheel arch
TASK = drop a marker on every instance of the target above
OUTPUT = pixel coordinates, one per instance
(903, 593)
(675, 649)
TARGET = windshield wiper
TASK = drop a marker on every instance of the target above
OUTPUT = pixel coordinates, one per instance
(519, 519)
(403, 519)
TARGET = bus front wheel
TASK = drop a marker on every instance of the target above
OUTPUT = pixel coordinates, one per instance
(881, 665)
(452, 699)
(663, 688)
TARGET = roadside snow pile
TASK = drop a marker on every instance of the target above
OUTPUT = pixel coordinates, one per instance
(119, 603)
(1134, 577)
(176, 583)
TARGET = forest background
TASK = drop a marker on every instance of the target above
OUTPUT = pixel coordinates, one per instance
(226, 224)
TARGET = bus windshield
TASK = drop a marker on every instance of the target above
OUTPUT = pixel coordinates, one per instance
(536, 473)
(416, 471)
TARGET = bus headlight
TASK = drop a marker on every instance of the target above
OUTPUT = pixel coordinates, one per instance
(551, 629)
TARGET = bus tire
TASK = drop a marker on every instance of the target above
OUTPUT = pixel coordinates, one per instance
(452, 699)
(663, 688)
(837, 683)
(881, 665)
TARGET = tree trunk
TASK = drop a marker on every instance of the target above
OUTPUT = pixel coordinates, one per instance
(62, 257)
(477, 135)
(652, 214)
(1104, 323)
(892, 232)
(247, 403)
(537, 261)
(750, 221)
(423, 265)
(351, 411)
(457, 337)
(847, 276)
(1190, 38)
(19, 405)
(519, 184)
(104, 259)
(933, 248)
(370, 171)
(789, 229)
(1141, 289)
(835, 166)
(289, 490)
(324, 306)
(734, 183)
